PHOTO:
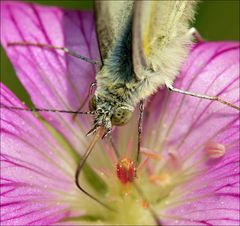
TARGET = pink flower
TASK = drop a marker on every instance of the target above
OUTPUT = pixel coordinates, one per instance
(190, 146)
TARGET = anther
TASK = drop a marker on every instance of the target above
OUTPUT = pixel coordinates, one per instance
(214, 150)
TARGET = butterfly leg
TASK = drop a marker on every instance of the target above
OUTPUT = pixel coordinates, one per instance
(44, 110)
(194, 32)
(90, 91)
(140, 125)
(64, 49)
(214, 98)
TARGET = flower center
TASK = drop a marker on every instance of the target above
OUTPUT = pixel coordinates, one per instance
(138, 194)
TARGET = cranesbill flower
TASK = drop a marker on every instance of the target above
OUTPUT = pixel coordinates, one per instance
(189, 174)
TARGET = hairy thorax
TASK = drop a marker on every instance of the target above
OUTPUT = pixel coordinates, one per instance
(114, 90)
(113, 99)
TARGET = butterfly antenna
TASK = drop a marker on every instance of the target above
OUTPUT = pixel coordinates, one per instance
(45, 110)
(114, 147)
(140, 126)
(98, 135)
(92, 131)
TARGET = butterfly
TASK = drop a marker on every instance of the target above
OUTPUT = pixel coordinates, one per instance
(142, 46)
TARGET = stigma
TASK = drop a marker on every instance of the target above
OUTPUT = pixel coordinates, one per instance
(126, 171)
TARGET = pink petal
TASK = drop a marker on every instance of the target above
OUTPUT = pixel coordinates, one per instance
(187, 124)
(52, 78)
(35, 170)
(212, 198)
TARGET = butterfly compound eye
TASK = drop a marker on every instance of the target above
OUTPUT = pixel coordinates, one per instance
(121, 116)
(93, 104)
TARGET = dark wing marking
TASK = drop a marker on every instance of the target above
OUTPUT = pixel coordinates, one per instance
(109, 17)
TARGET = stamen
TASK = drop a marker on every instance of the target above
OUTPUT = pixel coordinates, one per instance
(174, 160)
(161, 179)
(151, 154)
(145, 204)
(214, 150)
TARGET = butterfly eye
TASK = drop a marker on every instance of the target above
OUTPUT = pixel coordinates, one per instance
(93, 104)
(121, 116)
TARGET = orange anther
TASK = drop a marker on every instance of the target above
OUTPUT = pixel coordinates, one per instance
(163, 178)
(145, 204)
(151, 154)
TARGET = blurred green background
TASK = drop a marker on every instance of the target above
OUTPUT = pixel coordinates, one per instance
(216, 20)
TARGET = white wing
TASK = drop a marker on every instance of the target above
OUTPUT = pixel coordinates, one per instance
(160, 43)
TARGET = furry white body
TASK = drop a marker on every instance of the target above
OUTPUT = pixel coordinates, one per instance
(145, 46)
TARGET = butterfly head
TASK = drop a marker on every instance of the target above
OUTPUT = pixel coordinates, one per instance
(109, 113)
